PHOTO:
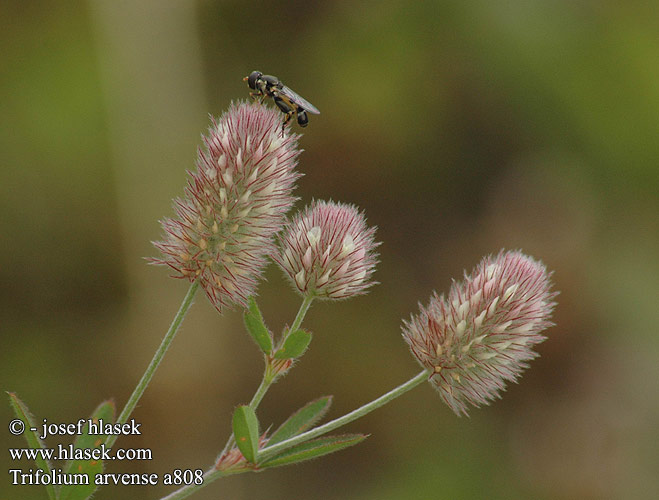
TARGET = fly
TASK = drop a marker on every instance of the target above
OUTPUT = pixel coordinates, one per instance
(288, 101)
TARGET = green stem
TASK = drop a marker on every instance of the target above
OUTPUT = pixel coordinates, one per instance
(304, 307)
(268, 452)
(268, 378)
(260, 392)
(157, 358)
(271, 451)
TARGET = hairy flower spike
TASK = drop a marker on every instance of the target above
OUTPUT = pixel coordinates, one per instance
(328, 251)
(234, 204)
(481, 336)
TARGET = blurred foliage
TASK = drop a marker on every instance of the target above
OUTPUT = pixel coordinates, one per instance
(459, 127)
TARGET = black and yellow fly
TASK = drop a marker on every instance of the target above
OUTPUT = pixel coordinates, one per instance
(288, 101)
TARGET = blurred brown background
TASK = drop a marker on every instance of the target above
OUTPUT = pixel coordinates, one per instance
(459, 127)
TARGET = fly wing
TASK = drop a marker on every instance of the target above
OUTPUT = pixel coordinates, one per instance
(300, 101)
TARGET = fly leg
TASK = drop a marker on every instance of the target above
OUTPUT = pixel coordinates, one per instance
(257, 96)
(287, 118)
(286, 107)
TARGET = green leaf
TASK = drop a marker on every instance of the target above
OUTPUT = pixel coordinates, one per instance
(313, 449)
(246, 432)
(294, 346)
(105, 412)
(256, 326)
(32, 437)
(301, 420)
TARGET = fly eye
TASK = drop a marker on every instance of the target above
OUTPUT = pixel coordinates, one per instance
(253, 76)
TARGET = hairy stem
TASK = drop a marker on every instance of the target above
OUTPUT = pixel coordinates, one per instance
(269, 452)
(268, 378)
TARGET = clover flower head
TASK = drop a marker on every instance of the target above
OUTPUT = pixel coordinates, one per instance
(235, 202)
(327, 251)
(481, 336)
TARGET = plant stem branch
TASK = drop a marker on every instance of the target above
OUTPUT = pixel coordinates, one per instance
(269, 452)
(268, 378)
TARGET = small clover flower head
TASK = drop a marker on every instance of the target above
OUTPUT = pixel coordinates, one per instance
(482, 335)
(234, 204)
(327, 251)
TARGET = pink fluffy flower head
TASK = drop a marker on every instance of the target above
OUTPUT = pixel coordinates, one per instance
(234, 204)
(328, 251)
(481, 336)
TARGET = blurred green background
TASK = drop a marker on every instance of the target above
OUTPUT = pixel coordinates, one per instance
(459, 127)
